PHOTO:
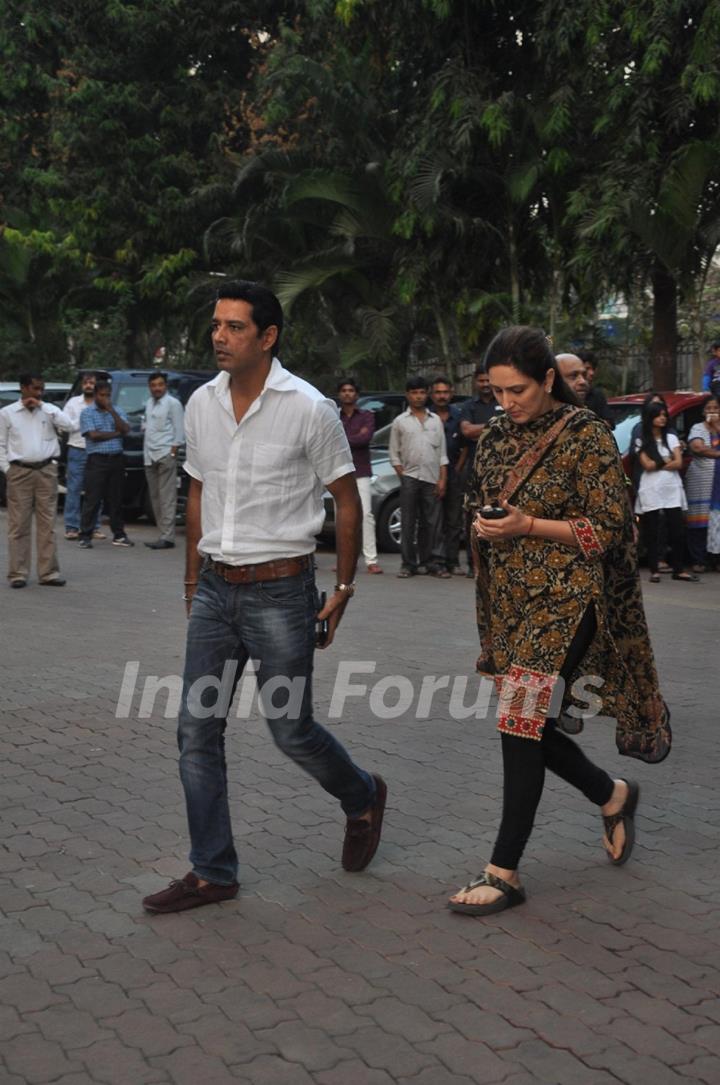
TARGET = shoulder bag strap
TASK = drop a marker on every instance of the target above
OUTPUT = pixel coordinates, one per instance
(527, 463)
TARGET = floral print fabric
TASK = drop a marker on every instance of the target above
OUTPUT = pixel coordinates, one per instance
(533, 593)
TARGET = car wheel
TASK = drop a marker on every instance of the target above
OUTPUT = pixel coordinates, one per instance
(388, 525)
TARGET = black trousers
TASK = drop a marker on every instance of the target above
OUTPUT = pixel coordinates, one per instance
(650, 523)
(421, 517)
(104, 479)
(452, 520)
(525, 761)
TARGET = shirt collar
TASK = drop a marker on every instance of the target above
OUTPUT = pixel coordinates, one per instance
(278, 379)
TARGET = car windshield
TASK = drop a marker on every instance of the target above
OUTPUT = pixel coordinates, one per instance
(624, 427)
(132, 398)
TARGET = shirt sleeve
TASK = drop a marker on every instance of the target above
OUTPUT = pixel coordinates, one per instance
(59, 418)
(4, 434)
(326, 445)
(444, 461)
(600, 482)
(178, 417)
(394, 449)
(191, 445)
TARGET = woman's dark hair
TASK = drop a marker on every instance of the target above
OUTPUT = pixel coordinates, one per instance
(266, 308)
(656, 397)
(529, 351)
(649, 444)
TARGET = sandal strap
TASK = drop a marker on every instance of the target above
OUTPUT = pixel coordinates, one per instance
(486, 878)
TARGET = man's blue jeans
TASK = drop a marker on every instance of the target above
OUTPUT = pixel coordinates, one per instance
(272, 623)
(74, 484)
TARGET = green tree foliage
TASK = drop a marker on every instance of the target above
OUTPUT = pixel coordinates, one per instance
(112, 112)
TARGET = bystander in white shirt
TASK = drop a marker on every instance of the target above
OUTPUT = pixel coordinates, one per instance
(164, 427)
(30, 435)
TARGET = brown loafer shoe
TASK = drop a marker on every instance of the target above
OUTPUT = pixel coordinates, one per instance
(187, 893)
(374, 569)
(361, 836)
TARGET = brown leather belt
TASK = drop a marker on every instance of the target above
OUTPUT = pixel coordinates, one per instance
(267, 570)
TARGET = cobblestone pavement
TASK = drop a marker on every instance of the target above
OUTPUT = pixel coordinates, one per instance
(312, 975)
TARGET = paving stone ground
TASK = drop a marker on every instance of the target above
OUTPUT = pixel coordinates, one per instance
(314, 976)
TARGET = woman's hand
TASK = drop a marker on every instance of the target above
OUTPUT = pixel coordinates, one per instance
(515, 523)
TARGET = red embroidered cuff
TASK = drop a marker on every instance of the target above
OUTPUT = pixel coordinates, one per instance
(524, 702)
(587, 539)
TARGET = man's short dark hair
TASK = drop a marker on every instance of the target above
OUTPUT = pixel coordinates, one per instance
(479, 368)
(102, 386)
(715, 345)
(413, 383)
(157, 376)
(26, 379)
(266, 309)
(441, 380)
(348, 380)
(587, 356)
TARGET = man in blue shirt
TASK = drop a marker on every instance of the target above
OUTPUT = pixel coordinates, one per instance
(164, 433)
(103, 427)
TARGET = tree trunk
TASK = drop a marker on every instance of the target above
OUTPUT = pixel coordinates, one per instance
(514, 272)
(664, 335)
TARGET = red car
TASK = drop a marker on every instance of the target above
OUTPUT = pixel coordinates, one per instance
(685, 410)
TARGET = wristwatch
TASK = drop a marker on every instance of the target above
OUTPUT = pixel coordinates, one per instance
(349, 589)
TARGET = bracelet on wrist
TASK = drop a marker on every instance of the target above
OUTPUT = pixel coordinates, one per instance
(532, 525)
(347, 589)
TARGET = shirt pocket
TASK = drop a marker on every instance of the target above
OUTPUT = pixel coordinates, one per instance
(276, 468)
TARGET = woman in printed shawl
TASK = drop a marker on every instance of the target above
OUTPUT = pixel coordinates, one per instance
(560, 598)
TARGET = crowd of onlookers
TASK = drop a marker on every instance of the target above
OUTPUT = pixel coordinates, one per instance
(432, 448)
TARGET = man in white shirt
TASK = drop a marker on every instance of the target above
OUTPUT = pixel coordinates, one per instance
(29, 448)
(262, 445)
(418, 453)
(163, 435)
(77, 460)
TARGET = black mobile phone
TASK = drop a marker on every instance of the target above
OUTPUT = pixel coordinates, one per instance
(490, 512)
(321, 624)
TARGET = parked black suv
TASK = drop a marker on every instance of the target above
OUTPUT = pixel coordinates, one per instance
(130, 393)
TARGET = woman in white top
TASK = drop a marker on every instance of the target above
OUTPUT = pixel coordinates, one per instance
(661, 490)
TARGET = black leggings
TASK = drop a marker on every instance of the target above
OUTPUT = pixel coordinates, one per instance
(675, 526)
(525, 761)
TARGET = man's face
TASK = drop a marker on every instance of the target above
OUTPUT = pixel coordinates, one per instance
(33, 390)
(239, 345)
(482, 387)
(589, 372)
(158, 387)
(441, 394)
(572, 371)
(102, 398)
(88, 385)
(416, 397)
(347, 395)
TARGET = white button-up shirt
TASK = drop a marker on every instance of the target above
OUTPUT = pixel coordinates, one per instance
(30, 435)
(263, 477)
(163, 427)
(418, 446)
(73, 409)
